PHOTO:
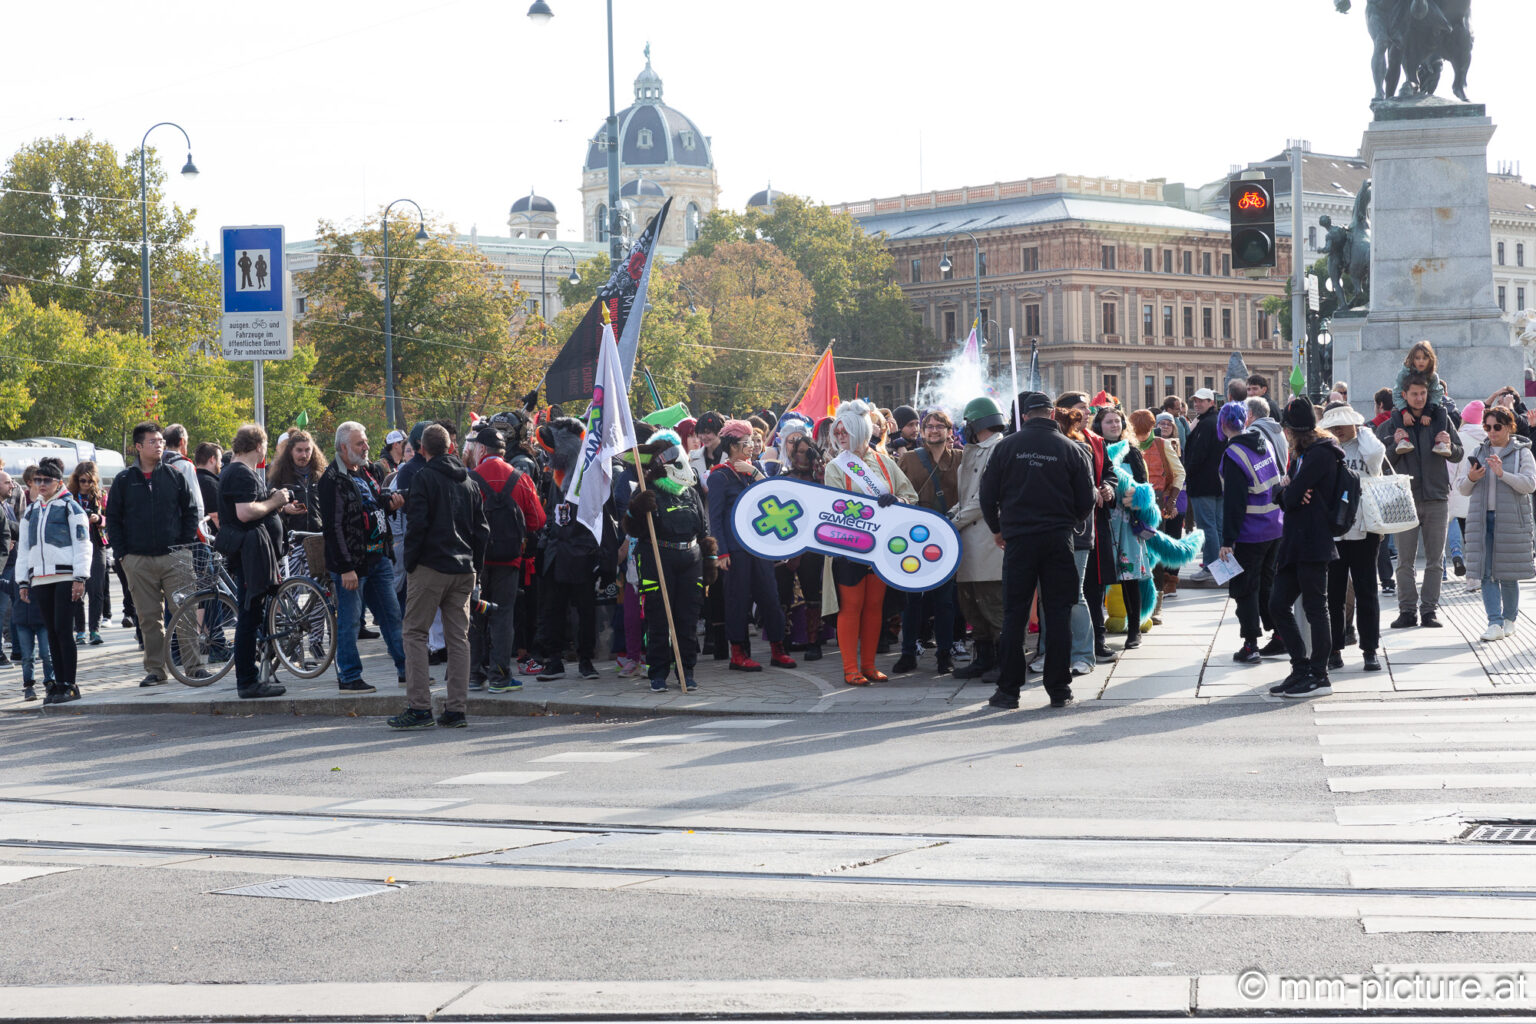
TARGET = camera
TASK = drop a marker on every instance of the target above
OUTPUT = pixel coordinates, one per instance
(481, 606)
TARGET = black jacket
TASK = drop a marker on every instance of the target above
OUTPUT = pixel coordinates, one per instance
(1307, 535)
(1202, 457)
(349, 524)
(1038, 479)
(208, 483)
(445, 526)
(145, 517)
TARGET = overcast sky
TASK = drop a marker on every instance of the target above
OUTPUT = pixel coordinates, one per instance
(330, 108)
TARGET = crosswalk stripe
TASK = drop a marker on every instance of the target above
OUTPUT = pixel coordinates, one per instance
(1410, 704)
(1406, 757)
(673, 737)
(589, 756)
(1374, 783)
(742, 723)
(497, 778)
(1353, 737)
(1434, 717)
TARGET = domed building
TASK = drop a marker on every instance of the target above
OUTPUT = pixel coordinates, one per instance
(765, 200)
(661, 153)
(533, 216)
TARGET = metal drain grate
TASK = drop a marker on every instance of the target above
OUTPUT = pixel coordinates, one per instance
(1512, 832)
(315, 890)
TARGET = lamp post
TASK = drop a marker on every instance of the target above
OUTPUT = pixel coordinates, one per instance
(391, 406)
(945, 266)
(574, 279)
(540, 13)
(188, 171)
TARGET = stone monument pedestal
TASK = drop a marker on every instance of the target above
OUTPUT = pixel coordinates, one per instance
(1431, 261)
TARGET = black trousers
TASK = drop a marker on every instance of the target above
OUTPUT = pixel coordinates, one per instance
(556, 598)
(684, 571)
(808, 572)
(95, 593)
(128, 610)
(1384, 562)
(1357, 559)
(1042, 560)
(1309, 581)
(250, 620)
(491, 635)
(52, 599)
(1251, 588)
(750, 581)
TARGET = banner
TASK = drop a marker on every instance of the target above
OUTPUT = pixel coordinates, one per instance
(610, 432)
(821, 398)
(573, 373)
(909, 547)
(625, 291)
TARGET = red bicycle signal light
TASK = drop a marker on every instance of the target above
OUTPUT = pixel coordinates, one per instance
(1253, 199)
(1251, 205)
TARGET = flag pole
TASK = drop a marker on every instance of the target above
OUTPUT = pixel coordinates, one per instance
(661, 578)
(1013, 362)
(805, 384)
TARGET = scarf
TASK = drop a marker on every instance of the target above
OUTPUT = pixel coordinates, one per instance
(859, 476)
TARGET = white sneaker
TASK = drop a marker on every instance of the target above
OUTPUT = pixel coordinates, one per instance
(1038, 665)
(1404, 447)
(1203, 576)
(1509, 630)
(1495, 631)
(1081, 668)
(958, 651)
(1443, 448)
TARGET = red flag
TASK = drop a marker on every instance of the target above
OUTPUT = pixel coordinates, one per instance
(821, 397)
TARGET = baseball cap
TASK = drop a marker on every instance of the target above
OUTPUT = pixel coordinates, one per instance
(1205, 395)
(490, 437)
(394, 437)
(1032, 400)
(416, 432)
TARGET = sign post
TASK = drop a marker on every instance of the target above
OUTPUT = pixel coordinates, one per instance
(255, 325)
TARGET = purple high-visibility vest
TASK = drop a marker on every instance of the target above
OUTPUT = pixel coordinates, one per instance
(1262, 520)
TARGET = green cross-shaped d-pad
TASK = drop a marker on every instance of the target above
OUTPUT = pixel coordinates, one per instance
(776, 518)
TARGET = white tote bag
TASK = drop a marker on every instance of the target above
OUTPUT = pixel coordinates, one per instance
(1386, 503)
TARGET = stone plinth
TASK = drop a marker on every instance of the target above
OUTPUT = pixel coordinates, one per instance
(1431, 265)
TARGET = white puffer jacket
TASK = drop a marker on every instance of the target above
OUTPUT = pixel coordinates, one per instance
(1472, 436)
(55, 544)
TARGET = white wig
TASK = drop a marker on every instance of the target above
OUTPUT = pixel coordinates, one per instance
(854, 416)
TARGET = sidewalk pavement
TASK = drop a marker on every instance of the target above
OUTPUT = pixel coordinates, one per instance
(1186, 659)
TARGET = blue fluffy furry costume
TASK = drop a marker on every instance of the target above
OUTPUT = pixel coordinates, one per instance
(1140, 546)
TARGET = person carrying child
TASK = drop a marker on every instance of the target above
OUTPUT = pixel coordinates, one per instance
(1420, 360)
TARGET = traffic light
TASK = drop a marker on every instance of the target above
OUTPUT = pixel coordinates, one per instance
(1252, 205)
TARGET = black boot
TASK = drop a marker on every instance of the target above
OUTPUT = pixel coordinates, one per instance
(721, 648)
(980, 662)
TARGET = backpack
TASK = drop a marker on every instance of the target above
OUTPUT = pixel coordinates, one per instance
(1346, 501)
(505, 518)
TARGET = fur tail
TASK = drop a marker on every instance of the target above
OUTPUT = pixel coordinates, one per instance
(1173, 554)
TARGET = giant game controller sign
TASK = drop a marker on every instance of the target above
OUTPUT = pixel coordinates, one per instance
(908, 547)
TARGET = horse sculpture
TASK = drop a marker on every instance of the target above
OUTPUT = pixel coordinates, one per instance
(1413, 40)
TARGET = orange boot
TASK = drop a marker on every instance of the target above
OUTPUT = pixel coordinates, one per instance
(850, 605)
(869, 627)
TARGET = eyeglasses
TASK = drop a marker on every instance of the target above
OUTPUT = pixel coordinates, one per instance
(935, 425)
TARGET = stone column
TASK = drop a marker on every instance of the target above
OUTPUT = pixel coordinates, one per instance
(1431, 265)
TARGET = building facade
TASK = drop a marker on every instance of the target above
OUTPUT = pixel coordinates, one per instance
(1122, 290)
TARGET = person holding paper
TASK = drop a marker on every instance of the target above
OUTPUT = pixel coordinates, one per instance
(1251, 522)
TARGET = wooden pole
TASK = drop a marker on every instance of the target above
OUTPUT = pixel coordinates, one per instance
(661, 580)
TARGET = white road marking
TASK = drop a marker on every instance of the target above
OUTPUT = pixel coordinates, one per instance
(590, 756)
(1431, 717)
(1349, 738)
(1380, 925)
(672, 737)
(1414, 704)
(741, 723)
(18, 873)
(1372, 783)
(497, 778)
(1401, 757)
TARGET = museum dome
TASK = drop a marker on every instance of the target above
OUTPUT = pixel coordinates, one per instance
(532, 203)
(651, 134)
(765, 199)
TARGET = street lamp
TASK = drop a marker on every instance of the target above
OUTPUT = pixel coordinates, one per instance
(540, 14)
(574, 279)
(391, 405)
(945, 266)
(188, 171)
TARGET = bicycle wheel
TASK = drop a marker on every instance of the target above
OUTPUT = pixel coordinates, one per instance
(200, 641)
(301, 627)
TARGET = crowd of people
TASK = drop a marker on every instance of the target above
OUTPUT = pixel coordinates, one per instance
(1074, 523)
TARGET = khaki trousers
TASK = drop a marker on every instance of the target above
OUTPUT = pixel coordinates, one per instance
(981, 602)
(427, 593)
(151, 579)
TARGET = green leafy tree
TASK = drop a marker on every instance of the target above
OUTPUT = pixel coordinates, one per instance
(70, 232)
(460, 332)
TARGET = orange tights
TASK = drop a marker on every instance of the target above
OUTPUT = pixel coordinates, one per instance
(860, 609)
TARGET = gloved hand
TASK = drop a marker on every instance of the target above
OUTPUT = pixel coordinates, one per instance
(643, 502)
(886, 500)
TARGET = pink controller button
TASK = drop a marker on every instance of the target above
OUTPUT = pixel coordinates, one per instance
(848, 540)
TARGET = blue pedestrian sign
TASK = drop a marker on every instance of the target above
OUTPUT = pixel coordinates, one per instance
(253, 269)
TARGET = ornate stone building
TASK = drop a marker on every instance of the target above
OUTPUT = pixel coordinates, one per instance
(1123, 290)
(661, 153)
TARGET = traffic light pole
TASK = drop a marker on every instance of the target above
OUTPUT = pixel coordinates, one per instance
(1298, 259)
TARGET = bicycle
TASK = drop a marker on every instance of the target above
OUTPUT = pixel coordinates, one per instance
(298, 630)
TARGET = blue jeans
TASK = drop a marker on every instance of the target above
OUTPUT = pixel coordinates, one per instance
(377, 591)
(1501, 598)
(943, 607)
(1453, 539)
(26, 639)
(1207, 513)
(1082, 622)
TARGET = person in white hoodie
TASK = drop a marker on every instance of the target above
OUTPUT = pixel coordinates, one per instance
(1363, 453)
(1472, 436)
(53, 561)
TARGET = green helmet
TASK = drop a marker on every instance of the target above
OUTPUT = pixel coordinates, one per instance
(982, 414)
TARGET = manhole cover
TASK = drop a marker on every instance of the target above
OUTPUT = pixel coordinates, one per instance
(316, 890)
(1507, 832)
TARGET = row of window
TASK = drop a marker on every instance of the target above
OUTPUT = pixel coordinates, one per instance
(1110, 314)
(1150, 397)
(1108, 259)
(1504, 299)
(1519, 255)
(646, 139)
(691, 220)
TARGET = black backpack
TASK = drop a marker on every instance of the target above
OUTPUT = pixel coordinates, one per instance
(505, 517)
(1345, 508)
